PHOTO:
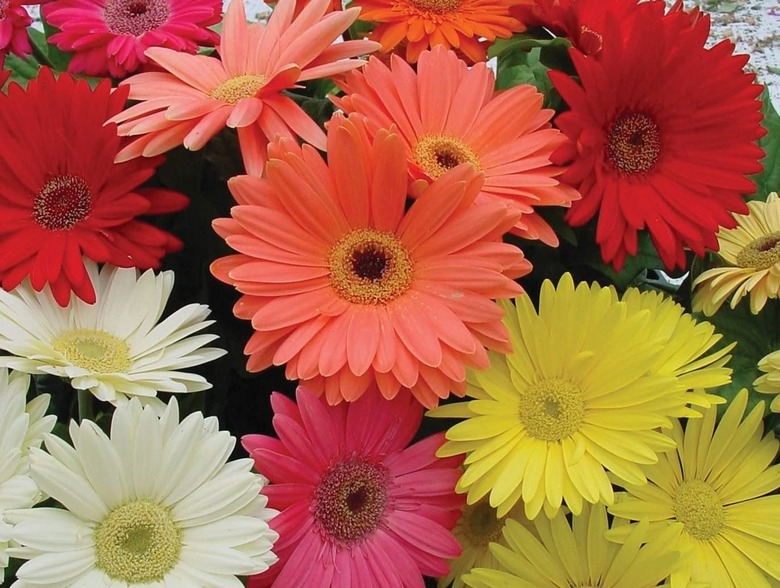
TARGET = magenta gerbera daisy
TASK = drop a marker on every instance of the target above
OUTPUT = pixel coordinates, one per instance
(358, 507)
(110, 36)
(14, 21)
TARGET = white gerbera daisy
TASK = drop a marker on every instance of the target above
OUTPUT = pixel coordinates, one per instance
(155, 505)
(113, 348)
(22, 426)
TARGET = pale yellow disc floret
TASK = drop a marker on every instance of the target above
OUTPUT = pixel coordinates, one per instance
(552, 409)
(698, 508)
(96, 351)
(238, 87)
(438, 153)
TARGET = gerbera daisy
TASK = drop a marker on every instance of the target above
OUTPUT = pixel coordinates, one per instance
(468, 26)
(577, 555)
(109, 37)
(22, 426)
(589, 381)
(451, 116)
(663, 133)
(154, 504)
(752, 252)
(198, 95)
(63, 197)
(769, 382)
(347, 288)
(358, 507)
(714, 487)
(14, 21)
(114, 348)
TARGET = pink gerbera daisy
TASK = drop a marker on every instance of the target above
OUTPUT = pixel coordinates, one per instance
(199, 95)
(347, 288)
(14, 21)
(448, 114)
(358, 507)
(110, 36)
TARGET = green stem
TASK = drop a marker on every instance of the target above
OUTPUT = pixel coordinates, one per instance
(86, 411)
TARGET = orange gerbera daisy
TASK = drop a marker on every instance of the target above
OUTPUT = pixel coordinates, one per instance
(199, 95)
(455, 24)
(451, 116)
(349, 289)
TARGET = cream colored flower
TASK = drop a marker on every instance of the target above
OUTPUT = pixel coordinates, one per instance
(769, 382)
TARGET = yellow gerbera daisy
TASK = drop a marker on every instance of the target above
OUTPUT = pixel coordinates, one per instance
(589, 382)
(752, 250)
(714, 488)
(769, 383)
(578, 555)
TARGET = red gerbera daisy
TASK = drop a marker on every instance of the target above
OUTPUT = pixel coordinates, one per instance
(62, 196)
(14, 21)
(110, 36)
(358, 507)
(663, 133)
(347, 288)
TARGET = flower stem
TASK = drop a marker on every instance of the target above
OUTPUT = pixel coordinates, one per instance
(86, 411)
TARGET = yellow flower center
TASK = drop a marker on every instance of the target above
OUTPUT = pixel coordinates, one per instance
(62, 202)
(633, 143)
(137, 542)
(96, 351)
(552, 409)
(698, 508)
(436, 6)
(762, 253)
(480, 523)
(436, 154)
(238, 87)
(370, 267)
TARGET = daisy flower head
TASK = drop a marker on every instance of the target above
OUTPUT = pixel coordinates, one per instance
(588, 383)
(467, 26)
(769, 381)
(577, 554)
(751, 251)
(156, 503)
(109, 37)
(196, 96)
(358, 507)
(65, 199)
(22, 426)
(14, 21)
(663, 134)
(115, 348)
(347, 288)
(715, 487)
(451, 116)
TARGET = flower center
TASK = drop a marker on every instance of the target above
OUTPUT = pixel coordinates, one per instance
(238, 87)
(3, 8)
(437, 6)
(761, 253)
(590, 40)
(480, 523)
(351, 499)
(96, 351)
(552, 409)
(698, 508)
(436, 154)
(137, 542)
(633, 143)
(370, 267)
(63, 202)
(135, 17)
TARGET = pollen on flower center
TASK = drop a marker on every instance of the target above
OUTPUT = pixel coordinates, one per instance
(436, 6)
(552, 409)
(63, 202)
(761, 253)
(633, 143)
(370, 267)
(351, 499)
(436, 154)
(135, 17)
(137, 542)
(96, 351)
(238, 87)
(697, 507)
(3, 8)
(481, 524)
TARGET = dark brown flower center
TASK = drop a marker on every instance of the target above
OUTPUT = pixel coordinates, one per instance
(135, 17)
(633, 143)
(481, 524)
(351, 499)
(62, 202)
(3, 8)
(762, 253)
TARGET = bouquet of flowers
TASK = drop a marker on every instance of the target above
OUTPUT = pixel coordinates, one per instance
(486, 289)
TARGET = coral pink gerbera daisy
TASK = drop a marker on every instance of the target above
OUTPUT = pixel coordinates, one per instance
(358, 507)
(110, 36)
(199, 95)
(450, 115)
(14, 21)
(663, 134)
(347, 288)
(61, 194)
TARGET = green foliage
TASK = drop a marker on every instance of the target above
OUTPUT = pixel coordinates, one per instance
(769, 179)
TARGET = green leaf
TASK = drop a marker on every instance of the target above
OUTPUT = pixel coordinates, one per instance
(635, 267)
(46, 53)
(769, 179)
(525, 42)
(22, 70)
(527, 68)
